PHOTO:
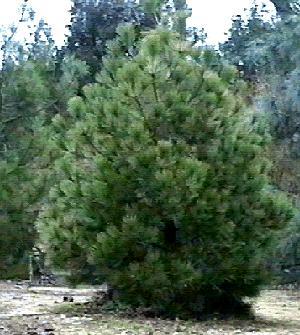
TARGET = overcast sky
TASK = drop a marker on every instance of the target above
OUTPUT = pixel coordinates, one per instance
(214, 15)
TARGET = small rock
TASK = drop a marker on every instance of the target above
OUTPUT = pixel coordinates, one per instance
(49, 329)
(68, 299)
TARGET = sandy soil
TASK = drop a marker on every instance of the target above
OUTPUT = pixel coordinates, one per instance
(41, 311)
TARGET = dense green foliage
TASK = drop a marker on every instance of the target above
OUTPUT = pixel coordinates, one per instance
(163, 187)
(22, 94)
(34, 86)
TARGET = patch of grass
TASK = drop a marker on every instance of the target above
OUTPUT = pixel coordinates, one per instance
(122, 324)
(68, 308)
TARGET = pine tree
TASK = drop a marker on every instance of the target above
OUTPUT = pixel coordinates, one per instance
(94, 23)
(269, 53)
(285, 8)
(34, 86)
(245, 47)
(163, 190)
(180, 7)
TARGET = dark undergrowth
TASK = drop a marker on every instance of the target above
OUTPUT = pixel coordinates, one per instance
(104, 305)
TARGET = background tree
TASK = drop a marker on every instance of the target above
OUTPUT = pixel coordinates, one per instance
(285, 8)
(246, 48)
(268, 54)
(181, 6)
(16, 192)
(35, 85)
(94, 23)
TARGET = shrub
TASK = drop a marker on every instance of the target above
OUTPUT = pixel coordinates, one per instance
(163, 183)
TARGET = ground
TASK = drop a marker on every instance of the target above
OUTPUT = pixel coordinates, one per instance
(41, 311)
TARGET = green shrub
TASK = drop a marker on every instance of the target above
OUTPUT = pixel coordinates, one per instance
(163, 187)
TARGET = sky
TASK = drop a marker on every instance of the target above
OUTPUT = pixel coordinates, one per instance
(213, 15)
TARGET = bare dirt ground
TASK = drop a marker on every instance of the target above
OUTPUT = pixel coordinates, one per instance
(41, 311)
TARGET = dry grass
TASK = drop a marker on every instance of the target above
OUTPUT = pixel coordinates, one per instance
(277, 312)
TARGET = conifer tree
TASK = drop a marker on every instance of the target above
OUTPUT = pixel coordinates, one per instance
(94, 23)
(34, 86)
(180, 6)
(285, 8)
(268, 52)
(163, 188)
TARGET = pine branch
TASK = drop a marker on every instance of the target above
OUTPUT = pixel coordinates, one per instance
(155, 87)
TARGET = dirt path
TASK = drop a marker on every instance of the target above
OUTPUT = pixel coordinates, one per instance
(30, 311)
